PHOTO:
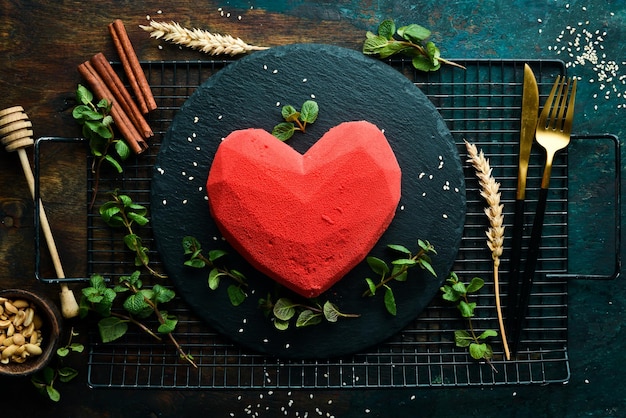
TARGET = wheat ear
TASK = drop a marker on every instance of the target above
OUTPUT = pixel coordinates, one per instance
(199, 39)
(490, 191)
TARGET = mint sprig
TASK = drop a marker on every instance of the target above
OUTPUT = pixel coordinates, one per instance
(410, 40)
(398, 271)
(458, 292)
(295, 120)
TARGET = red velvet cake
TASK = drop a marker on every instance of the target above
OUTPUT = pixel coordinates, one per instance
(304, 220)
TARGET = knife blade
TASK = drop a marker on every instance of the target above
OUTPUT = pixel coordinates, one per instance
(530, 113)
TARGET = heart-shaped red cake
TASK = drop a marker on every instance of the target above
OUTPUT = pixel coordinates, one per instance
(305, 220)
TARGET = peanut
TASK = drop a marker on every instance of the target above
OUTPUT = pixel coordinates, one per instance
(9, 351)
(33, 349)
(30, 314)
(21, 303)
(20, 331)
(10, 307)
(19, 339)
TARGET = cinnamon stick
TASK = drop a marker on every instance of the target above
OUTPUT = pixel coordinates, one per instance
(135, 140)
(121, 94)
(132, 68)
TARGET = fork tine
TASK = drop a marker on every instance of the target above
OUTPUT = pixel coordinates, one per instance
(569, 119)
(547, 107)
(559, 107)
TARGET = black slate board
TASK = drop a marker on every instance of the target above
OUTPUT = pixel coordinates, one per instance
(347, 86)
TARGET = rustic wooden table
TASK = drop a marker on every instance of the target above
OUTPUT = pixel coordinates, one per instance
(43, 42)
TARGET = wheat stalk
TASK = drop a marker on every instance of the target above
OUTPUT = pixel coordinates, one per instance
(490, 191)
(198, 39)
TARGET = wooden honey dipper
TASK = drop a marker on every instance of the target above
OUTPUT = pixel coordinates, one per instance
(16, 133)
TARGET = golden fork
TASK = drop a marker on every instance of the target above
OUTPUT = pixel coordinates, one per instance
(553, 134)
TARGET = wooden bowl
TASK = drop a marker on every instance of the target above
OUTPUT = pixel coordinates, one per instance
(50, 329)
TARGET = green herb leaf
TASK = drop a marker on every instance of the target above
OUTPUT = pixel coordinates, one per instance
(136, 304)
(387, 29)
(112, 328)
(478, 351)
(236, 295)
(280, 324)
(414, 33)
(63, 351)
(427, 266)
(466, 309)
(331, 312)
(284, 130)
(307, 318)
(377, 265)
(462, 338)
(390, 301)
(169, 324)
(162, 294)
(195, 263)
(423, 63)
(449, 294)
(113, 162)
(284, 309)
(475, 285)
(373, 45)
(77, 347)
(66, 374)
(409, 262)
(83, 95)
(400, 248)
(190, 245)
(309, 111)
(53, 394)
(214, 255)
(214, 278)
(371, 285)
(289, 113)
(123, 150)
(488, 333)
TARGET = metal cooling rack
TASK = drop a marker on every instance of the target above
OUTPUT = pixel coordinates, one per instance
(481, 104)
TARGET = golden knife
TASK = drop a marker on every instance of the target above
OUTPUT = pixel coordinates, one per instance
(530, 112)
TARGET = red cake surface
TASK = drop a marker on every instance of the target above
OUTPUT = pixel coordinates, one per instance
(304, 220)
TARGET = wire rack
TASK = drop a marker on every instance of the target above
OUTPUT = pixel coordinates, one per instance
(481, 104)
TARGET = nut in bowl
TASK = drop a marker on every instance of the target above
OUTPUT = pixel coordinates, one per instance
(29, 332)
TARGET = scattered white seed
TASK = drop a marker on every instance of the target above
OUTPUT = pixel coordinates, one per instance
(445, 216)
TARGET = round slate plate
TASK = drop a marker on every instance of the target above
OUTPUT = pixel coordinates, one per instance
(347, 86)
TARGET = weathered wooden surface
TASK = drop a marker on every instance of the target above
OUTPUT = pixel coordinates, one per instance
(41, 44)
